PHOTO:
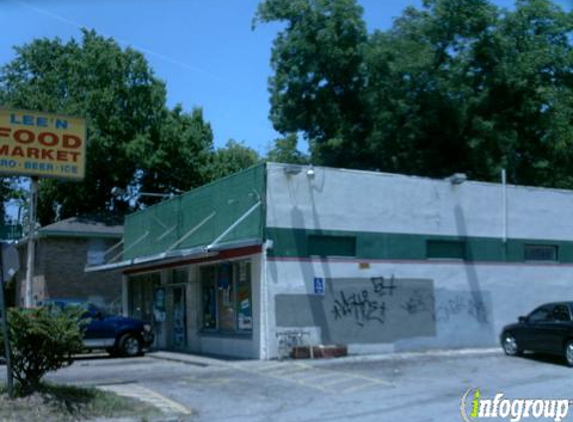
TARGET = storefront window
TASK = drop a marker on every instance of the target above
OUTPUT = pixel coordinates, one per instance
(141, 295)
(226, 297)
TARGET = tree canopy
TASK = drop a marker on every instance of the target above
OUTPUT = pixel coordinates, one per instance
(458, 85)
(135, 142)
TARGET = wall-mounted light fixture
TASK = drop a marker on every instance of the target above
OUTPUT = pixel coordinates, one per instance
(292, 170)
(310, 172)
(457, 178)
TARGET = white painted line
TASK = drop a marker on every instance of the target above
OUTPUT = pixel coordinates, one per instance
(146, 395)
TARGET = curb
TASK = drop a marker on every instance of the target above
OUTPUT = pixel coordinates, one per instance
(204, 362)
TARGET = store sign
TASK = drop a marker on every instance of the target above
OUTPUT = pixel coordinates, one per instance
(42, 144)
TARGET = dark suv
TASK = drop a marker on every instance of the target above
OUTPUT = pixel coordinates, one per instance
(118, 335)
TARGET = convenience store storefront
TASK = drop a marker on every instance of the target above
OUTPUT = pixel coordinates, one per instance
(192, 265)
(374, 261)
(205, 306)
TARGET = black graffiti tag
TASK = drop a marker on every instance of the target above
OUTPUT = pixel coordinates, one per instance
(359, 307)
(444, 310)
(383, 286)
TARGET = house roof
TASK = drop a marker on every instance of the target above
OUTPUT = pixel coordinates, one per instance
(85, 227)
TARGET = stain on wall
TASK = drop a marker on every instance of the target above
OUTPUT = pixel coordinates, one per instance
(385, 310)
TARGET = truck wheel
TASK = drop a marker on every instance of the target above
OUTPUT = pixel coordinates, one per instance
(130, 345)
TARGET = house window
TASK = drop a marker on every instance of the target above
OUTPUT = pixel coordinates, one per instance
(333, 246)
(445, 249)
(541, 253)
(96, 251)
(226, 297)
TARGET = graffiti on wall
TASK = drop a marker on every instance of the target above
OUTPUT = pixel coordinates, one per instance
(384, 309)
(444, 309)
(369, 304)
(366, 305)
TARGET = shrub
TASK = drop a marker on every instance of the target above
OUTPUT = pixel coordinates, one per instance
(42, 340)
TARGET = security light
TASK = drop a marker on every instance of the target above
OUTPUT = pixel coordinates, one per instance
(310, 172)
(457, 178)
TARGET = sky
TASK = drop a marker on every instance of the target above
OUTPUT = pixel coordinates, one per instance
(204, 50)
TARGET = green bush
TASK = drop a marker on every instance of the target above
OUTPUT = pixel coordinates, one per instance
(42, 340)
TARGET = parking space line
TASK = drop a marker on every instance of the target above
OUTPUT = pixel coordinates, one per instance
(146, 395)
(326, 380)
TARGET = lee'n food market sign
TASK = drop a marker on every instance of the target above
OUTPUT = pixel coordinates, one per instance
(42, 144)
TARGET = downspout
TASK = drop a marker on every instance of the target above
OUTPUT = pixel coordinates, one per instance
(504, 211)
(504, 190)
(264, 338)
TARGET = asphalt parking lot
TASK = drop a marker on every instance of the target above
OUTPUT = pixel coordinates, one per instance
(414, 386)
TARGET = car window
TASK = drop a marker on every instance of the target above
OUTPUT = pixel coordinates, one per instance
(561, 313)
(543, 313)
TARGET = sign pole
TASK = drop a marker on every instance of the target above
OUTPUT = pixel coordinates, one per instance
(4, 311)
(28, 289)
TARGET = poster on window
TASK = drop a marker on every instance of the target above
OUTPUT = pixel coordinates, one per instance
(245, 313)
(224, 276)
(159, 304)
(243, 272)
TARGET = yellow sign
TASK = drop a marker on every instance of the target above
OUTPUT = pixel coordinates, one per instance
(42, 144)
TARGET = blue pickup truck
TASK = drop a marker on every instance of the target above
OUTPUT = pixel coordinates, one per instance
(118, 335)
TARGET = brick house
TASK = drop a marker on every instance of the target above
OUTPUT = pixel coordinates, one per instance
(63, 249)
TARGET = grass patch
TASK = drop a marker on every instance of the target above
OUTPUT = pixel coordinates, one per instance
(63, 403)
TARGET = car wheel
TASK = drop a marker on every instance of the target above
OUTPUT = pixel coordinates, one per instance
(569, 353)
(510, 346)
(130, 345)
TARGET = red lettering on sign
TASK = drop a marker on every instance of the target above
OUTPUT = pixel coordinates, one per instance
(33, 152)
(4, 150)
(62, 155)
(24, 136)
(48, 139)
(47, 154)
(75, 156)
(71, 141)
(18, 152)
(5, 131)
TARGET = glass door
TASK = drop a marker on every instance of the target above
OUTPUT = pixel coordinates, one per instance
(179, 318)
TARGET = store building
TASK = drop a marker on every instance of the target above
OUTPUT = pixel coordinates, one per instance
(374, 261)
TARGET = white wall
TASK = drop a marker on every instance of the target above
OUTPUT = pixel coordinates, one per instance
(508, 291)
(373, 202)
(339, 199)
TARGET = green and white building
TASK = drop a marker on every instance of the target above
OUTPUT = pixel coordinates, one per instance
(374, 261)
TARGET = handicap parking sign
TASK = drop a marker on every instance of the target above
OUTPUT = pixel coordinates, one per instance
(319, 286)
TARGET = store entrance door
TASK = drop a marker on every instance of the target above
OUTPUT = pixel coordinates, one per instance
(179, 318)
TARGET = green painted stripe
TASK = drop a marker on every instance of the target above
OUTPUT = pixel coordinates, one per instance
(292, 243)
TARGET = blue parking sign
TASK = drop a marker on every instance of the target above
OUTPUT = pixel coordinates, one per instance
(319, 286)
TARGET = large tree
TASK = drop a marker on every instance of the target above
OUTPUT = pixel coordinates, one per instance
(285, 150)
(457, 85)
(318, 74)
(173, 156)
(233, 157)
(134, 141)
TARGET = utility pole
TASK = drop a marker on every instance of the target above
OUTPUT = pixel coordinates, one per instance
(5, 333)
(31, 261)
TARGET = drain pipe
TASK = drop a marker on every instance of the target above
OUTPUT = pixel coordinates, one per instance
(504, 205)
